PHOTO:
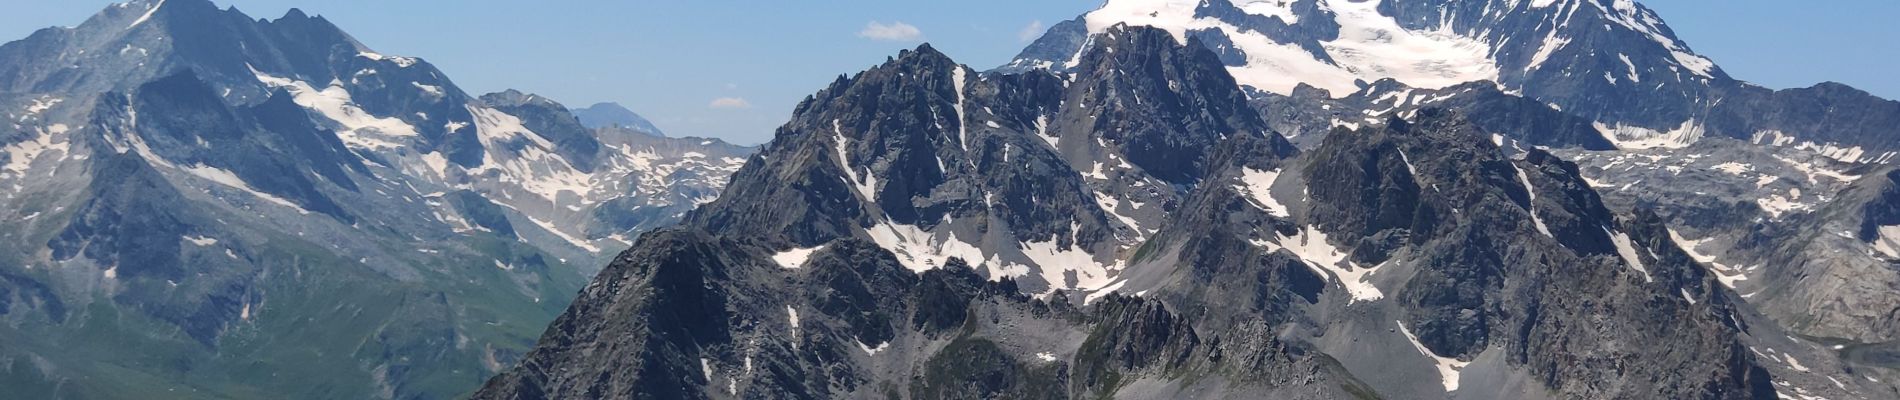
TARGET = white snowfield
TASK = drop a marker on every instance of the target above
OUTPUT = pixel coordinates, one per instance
(358, 128)
(1258, 186)
(1370, 46)
(794, 258)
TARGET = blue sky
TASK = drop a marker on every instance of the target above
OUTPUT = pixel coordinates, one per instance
(734, 69)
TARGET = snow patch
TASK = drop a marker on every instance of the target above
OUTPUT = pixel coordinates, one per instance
(1110, 205)
(359, 128)
(1776, 204)
(1627, 249)
(524, 160)
(21, 155)
(794, 258)
(1311, 246)
(1103, 292)
(1057, 262)
(201, 241)
(401, 62)
(1448, 368)
(1725, 274)
(432, 90)
(1639, 138)
(791, 316)
(231, 180)
(1531, 191)
(1258, 186)
(866, 186)
(1815, 172)
(872, 351)
(1733, 168)
(919, 250)
(1282, 9)
(957, 78)
(147, 16)
(1888, 242)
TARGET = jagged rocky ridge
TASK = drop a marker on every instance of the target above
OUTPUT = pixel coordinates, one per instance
(1740, 173)
(1405, 259)
(1614, 62)
(205, 204)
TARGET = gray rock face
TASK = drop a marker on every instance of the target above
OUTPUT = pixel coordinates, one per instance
(1741, 174)
(1025, 174)
(1419, 258)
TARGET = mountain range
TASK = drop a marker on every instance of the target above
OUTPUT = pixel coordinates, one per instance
(1275, 199)
(1307, 199)
(200, 204)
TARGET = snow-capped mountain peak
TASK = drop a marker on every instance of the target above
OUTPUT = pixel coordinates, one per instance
(1275, 45)
(1352, 42)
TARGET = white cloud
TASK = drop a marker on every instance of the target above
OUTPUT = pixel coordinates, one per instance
(1031, 32)
(730, 103)
(897, 31)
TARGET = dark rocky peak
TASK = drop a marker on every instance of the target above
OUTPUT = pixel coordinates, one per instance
(884, 132)
(164, 12)
(1490, 238)
(900, 128)
(1162, 104)
(1377, 187)
(915, 152)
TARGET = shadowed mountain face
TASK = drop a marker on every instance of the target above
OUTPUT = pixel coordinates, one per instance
(1420, 257)
(206, 204)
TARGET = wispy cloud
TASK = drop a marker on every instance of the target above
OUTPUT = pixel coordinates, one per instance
(896, 31)
(1031, 32)
(731, 103)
